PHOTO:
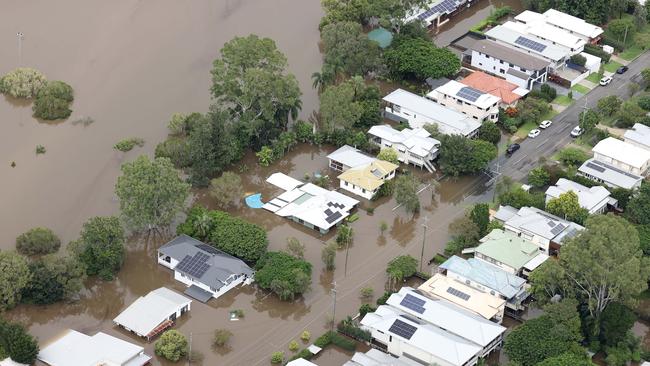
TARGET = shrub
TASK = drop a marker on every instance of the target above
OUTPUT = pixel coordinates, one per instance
(304, 353)
(383, 226)
(382, 300)
(293, 346)
(578, 59)
(538, 177)
(341, 341)
(572, 156)
(489, 132)
(226, 190)
(597, 51)
(277, 357)
(22, 83)
(305, 335)
(366, 293)
(38, 241)
(328, 255)
(53, 101)
(348, 328)
(644, 102)
(16, 343)
(128, 144)
(172, 346)
(283, 274)
(388, 154)
(176, 149)
(221, 337)
(365, 309)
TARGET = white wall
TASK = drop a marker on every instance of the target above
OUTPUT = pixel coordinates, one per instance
(542, 243)
(402, 152)
(216, 294)
(472, 110)
(462, 279)
(500, 68)
(621, 165)
(495, 263)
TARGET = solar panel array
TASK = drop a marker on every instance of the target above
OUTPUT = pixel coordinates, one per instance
(469, 93)
(558, 229)
(195, 266)
(333, 217)
(208, 248)
(334, 204)
(529, 43)
(596, 167)
(413, 303)
(444, 7)
(402, 329)
(458, 293)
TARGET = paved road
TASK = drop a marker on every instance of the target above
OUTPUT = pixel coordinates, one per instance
(555, 137)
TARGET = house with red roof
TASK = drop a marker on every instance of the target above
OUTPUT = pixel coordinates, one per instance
(507, 91)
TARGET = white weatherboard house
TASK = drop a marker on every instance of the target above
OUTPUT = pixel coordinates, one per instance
(413, 146)
(572, 25)
(404, 106)
(362, 175)
(467, 100)
(509, 252)
(207, 271)
(77, 349)
(308, 204)
(405, 336)
(487, 278)
(149, 315)
(450, 318)
(594, 199)
(540, 227)
(609, 175)
(622, 155)
(639, 136)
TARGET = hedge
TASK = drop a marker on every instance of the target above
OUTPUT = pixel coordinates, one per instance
(597, 51)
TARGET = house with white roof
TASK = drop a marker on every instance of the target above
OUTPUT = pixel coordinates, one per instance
(519, 68)
(375, 357)
(467, 100)
(556, 55)
(417, 111)
(509, 252)
(539, 227)
(573, 25)
(413, 146)
(594, 199)
(403, 335)
(609, 175)
(308, 204)
(442, 287)
(489, 279)
(205, 270)
(638, 136)
(151, 314)
(78, 349)
(546, 32)
(436, 12)
(622, 155)
(362, 175)
(449, 317)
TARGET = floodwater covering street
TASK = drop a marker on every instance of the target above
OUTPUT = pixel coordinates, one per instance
(132, 64)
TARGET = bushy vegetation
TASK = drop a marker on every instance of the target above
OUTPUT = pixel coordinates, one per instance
(100, 247)
(17, 344)
(401, 268)
(531, 109)
(285, 275)
(172, 346)
(22, 83)
(460, 155)
(14, 278)
(38, 241)
(128, 144)
(54, 279)
(418, 59)
(53, 101)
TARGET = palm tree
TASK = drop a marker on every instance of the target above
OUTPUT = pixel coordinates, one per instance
(317, 81)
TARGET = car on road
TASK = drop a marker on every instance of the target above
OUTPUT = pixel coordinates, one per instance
(621, 69)
(545, 124)
(605, 80)
(512, 148)
(534, 133)
(577, 131)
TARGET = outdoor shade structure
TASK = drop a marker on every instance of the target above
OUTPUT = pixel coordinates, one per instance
(149, 315)
(382, 36)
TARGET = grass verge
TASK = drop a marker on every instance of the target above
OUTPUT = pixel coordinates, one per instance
(562, 100)
(612, 66)
(580, 89)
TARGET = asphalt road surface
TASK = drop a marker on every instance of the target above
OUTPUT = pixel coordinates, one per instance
(557, 135)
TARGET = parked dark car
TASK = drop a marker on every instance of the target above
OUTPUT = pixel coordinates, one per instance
(512, 148)
(621, 69)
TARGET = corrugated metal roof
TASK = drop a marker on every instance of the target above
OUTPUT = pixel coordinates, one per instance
(493, 278)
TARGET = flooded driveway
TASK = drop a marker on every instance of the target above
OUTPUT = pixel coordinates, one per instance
(132, 64)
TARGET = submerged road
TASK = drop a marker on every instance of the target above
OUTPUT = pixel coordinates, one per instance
(557, 135)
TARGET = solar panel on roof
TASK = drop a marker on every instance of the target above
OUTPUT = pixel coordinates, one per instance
(333, 217)
(402, 329)
(195, 266)
(596, 167)
(208, 248)
(558, 229)
(458, 293)
(328, 212)
(529, 43)
(413, 303)
(469, 93)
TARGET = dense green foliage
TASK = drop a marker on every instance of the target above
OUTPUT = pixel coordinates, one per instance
(16, 343)
(350, 104)
(588, 119)
(629, 114)
(401, 268)
(568, 359)
(38, 241)
(100, 247)
(480, 215)
(328, 255)
(350, 329)
(489, 132)
(390, 13)
(151, 193)
(638, 207)
(347, 49)
(227, 190)
(285, 275)
(572, 156)
(609, 105)
(388, 154)
(128, 144)
(172, 346)
(460, 155)
(54, 279)
(518, 198)
(22, 83)
(406, 188)
(14, 277)
(567, 206)
(615, 322)
(53, 101)
(465, 233)
(231, 234)
(538, 177)
(531, 109)
(418, 59)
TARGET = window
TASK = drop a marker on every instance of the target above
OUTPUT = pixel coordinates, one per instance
(363, 190)
(460, 102)
(502, 71)
(168, 259)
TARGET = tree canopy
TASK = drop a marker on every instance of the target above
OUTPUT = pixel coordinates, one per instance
(538, 177)
(172, 345)
(568, 359)
(38, 241)
(609, 105)
(349, 104)
(22, 82)
(638, 207)
(151, 193)
(101, 246)
(460, 155)
(388, 154)
(14, 277)
(347, 49)
(489, 132)
(283, 274)
(19, 345)
(418, 59)
(566, 205)
(53, 101)
(54, 279)
(401, 268)
(388, 12)
(227, 190)
(517, 197)
(406, 188)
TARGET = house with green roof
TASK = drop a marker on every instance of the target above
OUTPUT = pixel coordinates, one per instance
(509, 252)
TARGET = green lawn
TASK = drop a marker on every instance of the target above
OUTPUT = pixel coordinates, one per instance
(522, 132)
(631, 53)
(562, 100)
(612, 66)
(580, 89)
(594, 77)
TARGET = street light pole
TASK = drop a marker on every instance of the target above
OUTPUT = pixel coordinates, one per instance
(334, 306)
(424, 236)
(20, 36)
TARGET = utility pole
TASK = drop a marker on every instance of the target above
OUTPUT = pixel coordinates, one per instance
(424, 237)
(348, 238)
(189, 354)
(334, 306)
(497, 175)
(625, 36)
(20, 36)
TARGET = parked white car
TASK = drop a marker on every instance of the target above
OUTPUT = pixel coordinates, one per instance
(534, 133)
(545, 124)
(577, 131)
(605, 80)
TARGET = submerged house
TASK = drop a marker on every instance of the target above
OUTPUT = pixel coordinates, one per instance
(413, 146)
(308, 204)
(509, 252)
(205, 270)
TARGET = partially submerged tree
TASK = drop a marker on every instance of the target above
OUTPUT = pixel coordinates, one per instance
(54, 279)
(19, 345)
(38, 241)
(227, 190)
(172, 346)
(401, 268)
(328, 255)
(406, 187)
(53, 101)
(348, 49)
(100, 247)
(283, 274)
(22, 82)
(14, 277)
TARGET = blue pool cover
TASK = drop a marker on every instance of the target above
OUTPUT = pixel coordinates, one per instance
(254, 200)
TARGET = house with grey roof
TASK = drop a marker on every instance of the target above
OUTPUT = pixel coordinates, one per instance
(540, 227)
(520, 68)
(594, 199)
(609, 175)
(205, 270)
(489, 279)
(413, 146)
